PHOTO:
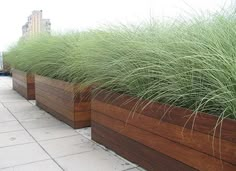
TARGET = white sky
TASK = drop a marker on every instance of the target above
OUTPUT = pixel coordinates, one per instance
(82, 14)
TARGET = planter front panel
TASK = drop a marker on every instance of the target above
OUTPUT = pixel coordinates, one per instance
(24, 84)
(169, 139)
(64, 101)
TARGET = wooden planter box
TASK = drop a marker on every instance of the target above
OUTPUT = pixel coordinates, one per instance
(155, 142)
(24, 84)
(64, 101)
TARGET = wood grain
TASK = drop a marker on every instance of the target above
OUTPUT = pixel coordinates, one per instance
(148, 158)
(203, 123)
(64, 101)
(182, 153)
(213, 146)
(73, 124)
(24, 84)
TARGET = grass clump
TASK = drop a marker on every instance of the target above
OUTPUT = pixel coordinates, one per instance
(43, 55)
(188, 63)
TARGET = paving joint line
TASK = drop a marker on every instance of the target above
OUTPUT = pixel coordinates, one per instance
(132, 168)
(76, 153)
(7, 121)
(100, 146)
(17, 145)
(12, 131)
(24, 164)
(58, 138)
(73, 154)
(35, 140)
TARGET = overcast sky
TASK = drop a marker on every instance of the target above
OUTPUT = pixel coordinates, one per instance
(82, 14)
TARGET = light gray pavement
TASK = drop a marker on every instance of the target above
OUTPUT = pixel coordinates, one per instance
(33, 140)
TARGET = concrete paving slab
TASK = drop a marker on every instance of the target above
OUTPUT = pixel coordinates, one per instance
(15, 138)
(5, 115)
(86, 132)
(11, 98)
(7, 91)
(10, 126)
(68, 146)
(98, 160)
(47, 165)
(21, 154)
(52, 132)
(72, 149)
(29, 115)
(32, 102)
(41, 123)
(1, 106)
(20, 106)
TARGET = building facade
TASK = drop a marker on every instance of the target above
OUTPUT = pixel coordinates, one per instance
(36, 24)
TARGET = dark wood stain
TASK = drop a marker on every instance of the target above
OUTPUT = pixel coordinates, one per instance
(136, 152)
(223, 149)
(192, 146)
(203, 122)
(172, 149)
(63, 100)
(24, 84)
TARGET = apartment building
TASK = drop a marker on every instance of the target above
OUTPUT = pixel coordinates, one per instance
(36, 24)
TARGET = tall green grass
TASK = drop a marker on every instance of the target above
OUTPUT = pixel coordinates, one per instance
(188, 63)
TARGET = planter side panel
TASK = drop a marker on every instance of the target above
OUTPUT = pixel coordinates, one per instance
(182, 117)
(136, 152)
(59, 98)
(189, 147)
(24, 84)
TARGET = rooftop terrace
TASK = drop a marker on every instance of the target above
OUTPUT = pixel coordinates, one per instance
(33, 140)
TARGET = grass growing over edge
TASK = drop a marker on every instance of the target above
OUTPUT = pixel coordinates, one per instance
(185, 63)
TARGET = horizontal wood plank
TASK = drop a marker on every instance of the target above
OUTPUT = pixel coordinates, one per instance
(60, 109)
(138, 153)
(213, 146)
(172, 149)
(203, 123)
(24, 84)
(19, 89)
(69, 104)
(72, 123)
(82, 106)
(82, 116)
(60, 99)
(67, 95)
(56, 83)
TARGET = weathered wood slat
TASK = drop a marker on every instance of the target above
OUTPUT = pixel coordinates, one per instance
(56, 89)
(182, 153)
(150, 159)
(203, 123)
(21, 83)
(57, 83)
(65, 94)
(220, 149)
(83, 116)
(63, 100)
(69, 103)
(56, 107)
(66, 103)
(72, 123)
(24, 84)
(21, 90)
(83, 106)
